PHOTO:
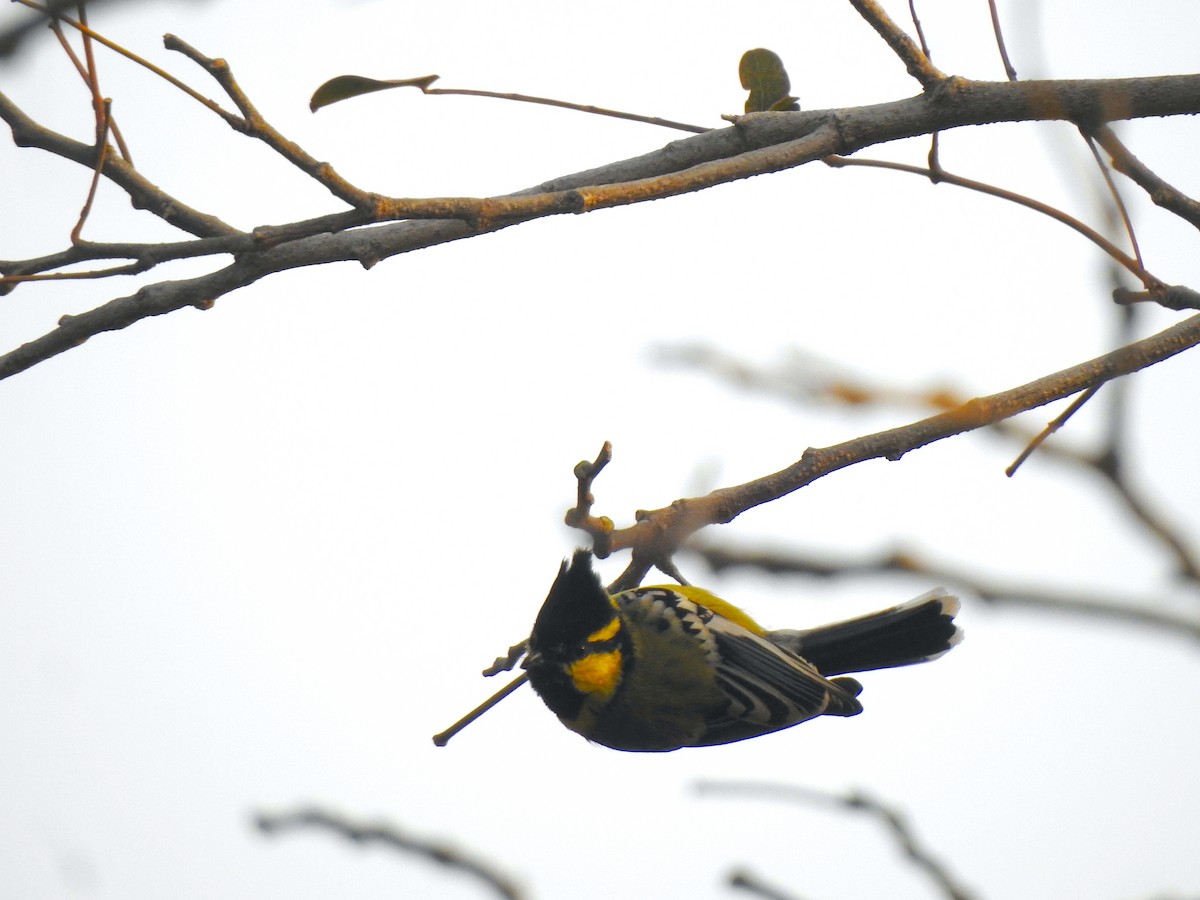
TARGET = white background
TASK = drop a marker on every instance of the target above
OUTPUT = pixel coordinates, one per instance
(256, 556)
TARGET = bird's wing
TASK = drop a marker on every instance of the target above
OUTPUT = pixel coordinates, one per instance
(768, 687)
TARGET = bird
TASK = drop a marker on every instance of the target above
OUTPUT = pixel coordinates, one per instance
(662, 667)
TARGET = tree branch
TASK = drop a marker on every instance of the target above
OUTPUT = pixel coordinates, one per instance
(757, 144)
(144, 195)
(389, 836)
(659, 532)
(1164, 195)
(915, 60)
(1147, 612)
(854, 801)
(814, 382)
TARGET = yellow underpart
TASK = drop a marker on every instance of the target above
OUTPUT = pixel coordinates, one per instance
(597, 673)
(721, 607)
(603, 634)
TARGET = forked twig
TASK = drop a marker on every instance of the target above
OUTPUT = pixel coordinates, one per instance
(82, 28)
(389, 836)
(859, 802)
(580, 515)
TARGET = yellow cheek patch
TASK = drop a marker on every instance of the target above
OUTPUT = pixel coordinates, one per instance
(608, 632)
(597, 673)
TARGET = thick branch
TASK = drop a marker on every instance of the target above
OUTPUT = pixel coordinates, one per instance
(757, 144)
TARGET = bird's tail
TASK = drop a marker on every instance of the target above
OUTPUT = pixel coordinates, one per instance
(916, 631)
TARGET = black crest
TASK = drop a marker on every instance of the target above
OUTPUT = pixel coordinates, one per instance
(576, 606)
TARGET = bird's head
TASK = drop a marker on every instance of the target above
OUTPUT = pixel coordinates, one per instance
(579, 647)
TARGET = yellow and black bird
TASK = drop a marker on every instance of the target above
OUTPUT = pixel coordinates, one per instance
(663, 667)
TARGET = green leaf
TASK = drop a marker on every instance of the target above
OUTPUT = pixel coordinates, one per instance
(763, 75)
(344, 87)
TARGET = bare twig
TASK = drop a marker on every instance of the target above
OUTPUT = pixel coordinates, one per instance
(253, 124)
(660, 531)
(1148, 611)
(508, 660)
(745, 880)
(144, 63)
(1056, 423)
(1009, 71)
(941, 175)
(814, 381)
(88, 80)
(102, 146)
(441, 739)
(639, 566)
(912, 12)
(598, 528)
(1187, 562)
(916, 62)
(142, 193)
(1173, 296)
(1115, 193)
(579, 107)
(389, 836)
(859, 802)
(144, 256)
(760, 143)
(935, 165)
(1164, 195)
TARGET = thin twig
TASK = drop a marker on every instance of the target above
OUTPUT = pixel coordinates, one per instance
(389, 836)
(144, 63)
(1115, 193)
(253, 124)
(142, 193)
(1187, 560)
(1150, 281)
(102, 146)
(916, 62)
(859, 802)
(635, 573)
(1009, 71)
(442, 738)
(83, 73)
(912, 12)
(1056, 423)
(1161, 193)
(1148, 612)
(580, 107)
(1172, 296)
(935, 165)
(580, 515)
(506, 662)
(745, 880)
